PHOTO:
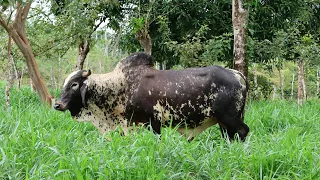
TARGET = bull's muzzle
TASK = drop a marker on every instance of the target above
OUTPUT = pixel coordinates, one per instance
(59, 106)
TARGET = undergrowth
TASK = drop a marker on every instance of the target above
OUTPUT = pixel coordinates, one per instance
(37, 142)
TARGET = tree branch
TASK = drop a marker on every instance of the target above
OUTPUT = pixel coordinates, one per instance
(96, 26)
(9, 48)
(3, 24)
(25, 13)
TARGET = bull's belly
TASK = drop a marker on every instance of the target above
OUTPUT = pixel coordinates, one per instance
(190, 133)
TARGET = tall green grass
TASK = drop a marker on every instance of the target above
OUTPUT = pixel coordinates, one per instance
(37, 142)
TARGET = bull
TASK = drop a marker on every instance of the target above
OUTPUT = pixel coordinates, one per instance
(134, 92)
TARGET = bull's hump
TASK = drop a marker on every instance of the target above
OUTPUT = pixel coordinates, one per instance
(138, 59)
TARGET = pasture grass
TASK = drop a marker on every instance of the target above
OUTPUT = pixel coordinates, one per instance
(37, 142)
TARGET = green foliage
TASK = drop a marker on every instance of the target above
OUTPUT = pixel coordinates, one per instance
(219, 49)
(264, 87)
(184, 34)
(190, 51)
(199, 51)
(82, 18)
(137, 24)
(174, 21)
(40, 143)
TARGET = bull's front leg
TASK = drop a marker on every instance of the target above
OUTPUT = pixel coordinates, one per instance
(155, 125)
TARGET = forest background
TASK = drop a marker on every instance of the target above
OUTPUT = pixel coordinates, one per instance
(282, 39)
(274, 42)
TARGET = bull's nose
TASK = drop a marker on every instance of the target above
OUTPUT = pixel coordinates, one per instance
(57, 106)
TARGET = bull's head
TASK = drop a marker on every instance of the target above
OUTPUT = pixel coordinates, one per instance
(73, 95)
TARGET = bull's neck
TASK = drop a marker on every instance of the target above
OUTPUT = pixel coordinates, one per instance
(104, 89)
(106, 101)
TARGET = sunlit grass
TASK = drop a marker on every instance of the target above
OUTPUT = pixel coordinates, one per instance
(37, 142)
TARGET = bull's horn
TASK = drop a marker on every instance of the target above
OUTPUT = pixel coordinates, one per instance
(85, 74)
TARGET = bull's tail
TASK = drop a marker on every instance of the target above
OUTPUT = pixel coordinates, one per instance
(243, 129)
(245, 95)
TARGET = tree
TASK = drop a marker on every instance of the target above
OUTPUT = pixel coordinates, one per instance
(141, 25)
(178, 21)
(239, 21)
(16, 29)
(282, 24)
(84, 18)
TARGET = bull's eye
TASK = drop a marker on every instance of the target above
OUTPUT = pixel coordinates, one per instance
(75, 85)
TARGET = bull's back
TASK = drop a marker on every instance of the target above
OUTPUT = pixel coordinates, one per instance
(188, 93)
(188, 83)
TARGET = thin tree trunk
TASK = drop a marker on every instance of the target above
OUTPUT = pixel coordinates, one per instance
(21, 77)
(305, 95)
(255, 81)
(300, 83)
(83, 50)
(304, 82)
(292, 82)
(106, 44)
(274, 95)
(318, 83)
(59, 72)
(32, 86)
(17, 32)
(16, 72)
(106, 50)
(145, 40)
(52, 78)
(101, 67)
(164, 65)
(157, 65)
(239, 21)
(115, 46)
(10, 81)
(281, 83)
(9, 75)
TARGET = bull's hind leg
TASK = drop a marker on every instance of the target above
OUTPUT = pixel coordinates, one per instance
(155, 125)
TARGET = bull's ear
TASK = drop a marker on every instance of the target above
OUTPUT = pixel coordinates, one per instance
(86, 74)
(83, 91)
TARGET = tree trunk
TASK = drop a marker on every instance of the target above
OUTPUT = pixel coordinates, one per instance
(281, 83)
(300, 83)
(116, 43)
(292, 82)
(9, 75)
(239, 21)
(106, 44)
(274, 94)
(157, 65)
(305, 95)
(83, 50)
(164, 65)
(17, 32)
(16, 73)
(318, 82)
(52, 79)
(101, 67)
(10, 81)
(20, 79)
(59, 72)
(304, 82)
(255, 81)
(145, 40)
(31, 85)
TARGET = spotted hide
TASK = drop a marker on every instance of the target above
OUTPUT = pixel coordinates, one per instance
(192, 99)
